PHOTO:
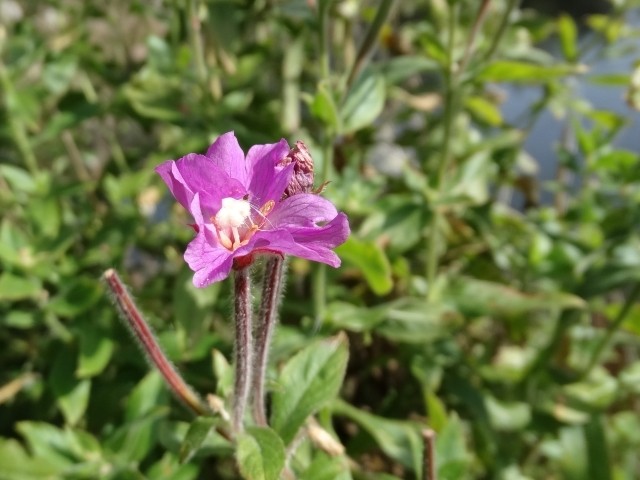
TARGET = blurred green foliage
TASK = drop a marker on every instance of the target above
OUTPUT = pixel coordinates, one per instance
(511, 332)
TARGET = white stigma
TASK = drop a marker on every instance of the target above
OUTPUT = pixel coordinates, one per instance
(232, 215)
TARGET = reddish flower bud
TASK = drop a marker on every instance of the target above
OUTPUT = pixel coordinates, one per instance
(302, 178)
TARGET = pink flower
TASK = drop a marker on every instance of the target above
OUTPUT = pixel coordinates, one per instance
(238, 208)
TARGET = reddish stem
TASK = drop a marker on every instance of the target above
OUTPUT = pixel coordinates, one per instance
(271, 293)
(243, 344)
(138, 326)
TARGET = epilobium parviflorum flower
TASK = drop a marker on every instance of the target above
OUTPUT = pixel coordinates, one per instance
(261, 203)
(238, 208)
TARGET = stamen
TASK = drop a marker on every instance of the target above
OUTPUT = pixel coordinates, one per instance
(225, 240)
(267, 207)
(236, 237)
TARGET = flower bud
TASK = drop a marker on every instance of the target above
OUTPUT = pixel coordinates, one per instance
(302, 178)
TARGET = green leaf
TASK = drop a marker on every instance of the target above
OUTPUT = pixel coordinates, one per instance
(149, 393)
(568, 37)
(132, 441)
(72, 395)
(57, 75)
(569, 453)
(481, 297)
(398, 69)
(406, 320)
(451, 452)
(46, 215)
(364, 102)
(395, 219)
(308, 381)
(513, 71)
(507, 416)
(483, 110)
(223, 373)
(400, 440)
(370, 258)
(198, 432)
(325, 467)
(22, 319)
(598, 456)
(13, 287)
(18, 178)
(96, 348)
(596, 392)
(168, 467)
(76, 297)
(17, 465)
(47, 442)
(260, 454)
(323, 107)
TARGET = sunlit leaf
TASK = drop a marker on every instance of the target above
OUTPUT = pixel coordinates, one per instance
(198, 432)
(308, 381)
(371, 260)
(260, 454)
(364, 102)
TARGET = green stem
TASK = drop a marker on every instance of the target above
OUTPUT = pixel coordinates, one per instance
(196, 39)
(450, 100)
(18, 130)
(320, 274)
(319, 294)
(546, 354)
(480, 17)
(319, 281)
(502, 28)
(323, 39)
(370, 40)
(612, 329)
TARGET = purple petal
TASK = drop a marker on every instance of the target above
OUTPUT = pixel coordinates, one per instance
(175, 182)
(211, 263)
(229, 157)
(199, 174)
(283, 242)
(302, 209)
(329, 236)
(196, 211)
(267, 180)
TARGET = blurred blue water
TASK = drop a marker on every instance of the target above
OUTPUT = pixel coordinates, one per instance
(547, 132)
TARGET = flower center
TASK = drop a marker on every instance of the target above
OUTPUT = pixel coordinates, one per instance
(235, 224)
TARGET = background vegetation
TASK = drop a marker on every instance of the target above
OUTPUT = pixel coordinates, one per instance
(496, 309)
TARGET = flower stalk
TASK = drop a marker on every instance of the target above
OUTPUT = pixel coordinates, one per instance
(149, 345)
(268, 317)
(243, 345)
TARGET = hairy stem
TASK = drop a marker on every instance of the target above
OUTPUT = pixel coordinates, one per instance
(243, 346)
(268, 317)
(141, 331)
